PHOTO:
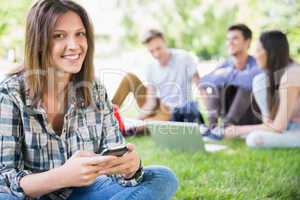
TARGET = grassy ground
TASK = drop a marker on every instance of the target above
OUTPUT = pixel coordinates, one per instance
(236, 173)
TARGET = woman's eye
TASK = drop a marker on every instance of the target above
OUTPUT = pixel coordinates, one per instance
(59, 36)
(82, 34)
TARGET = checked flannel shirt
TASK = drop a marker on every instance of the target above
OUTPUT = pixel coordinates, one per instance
(28, 144)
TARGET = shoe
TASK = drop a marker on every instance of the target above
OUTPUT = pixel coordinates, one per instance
(204, 130)
(213, 135)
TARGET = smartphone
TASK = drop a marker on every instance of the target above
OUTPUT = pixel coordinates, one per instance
(115, 151)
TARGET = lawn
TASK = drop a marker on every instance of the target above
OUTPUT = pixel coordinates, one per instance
(236, 173)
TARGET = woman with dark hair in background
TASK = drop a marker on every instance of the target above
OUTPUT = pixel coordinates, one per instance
(277, 93)
(56, 120)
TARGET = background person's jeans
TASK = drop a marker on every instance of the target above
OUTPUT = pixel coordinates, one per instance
(268, 139)
(233, 104)
(190, 112)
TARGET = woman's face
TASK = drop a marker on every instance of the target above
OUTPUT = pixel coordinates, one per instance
(68, 43)
(261, 56)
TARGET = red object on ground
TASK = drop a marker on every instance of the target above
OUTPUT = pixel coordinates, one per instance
(119, 118)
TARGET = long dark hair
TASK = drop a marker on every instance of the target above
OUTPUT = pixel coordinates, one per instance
(39, 27)
(276, 45)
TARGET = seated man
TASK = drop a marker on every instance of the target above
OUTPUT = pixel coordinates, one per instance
(168, 77)
(226, 91)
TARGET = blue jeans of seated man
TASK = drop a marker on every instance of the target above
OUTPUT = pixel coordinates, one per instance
(190, 112)
(159, 183)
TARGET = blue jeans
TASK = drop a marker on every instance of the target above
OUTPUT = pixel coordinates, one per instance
(5, 196)
(266, 139)
(159, 183)
(187, 113)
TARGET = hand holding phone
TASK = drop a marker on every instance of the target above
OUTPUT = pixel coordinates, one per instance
(115, 151)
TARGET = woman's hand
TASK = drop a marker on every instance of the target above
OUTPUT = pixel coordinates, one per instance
(126, 165)
(83, 168)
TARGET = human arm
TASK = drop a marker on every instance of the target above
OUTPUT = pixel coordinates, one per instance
(80, 170)
(11, 137)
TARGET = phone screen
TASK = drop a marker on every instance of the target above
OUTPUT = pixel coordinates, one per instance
(116, 151)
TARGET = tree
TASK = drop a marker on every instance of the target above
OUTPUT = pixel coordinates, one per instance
(12, 21)
(285, 16)
(192, 25)
(200, 26)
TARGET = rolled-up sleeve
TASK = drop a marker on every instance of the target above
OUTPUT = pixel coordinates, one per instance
(112, 134)
(11, 157)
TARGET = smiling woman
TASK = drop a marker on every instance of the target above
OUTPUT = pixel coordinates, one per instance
(69, 43)
(56, 119)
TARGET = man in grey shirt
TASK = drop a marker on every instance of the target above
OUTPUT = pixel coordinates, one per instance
(168, 77)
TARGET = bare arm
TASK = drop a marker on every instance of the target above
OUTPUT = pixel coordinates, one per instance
(36, 185)
(81, 169)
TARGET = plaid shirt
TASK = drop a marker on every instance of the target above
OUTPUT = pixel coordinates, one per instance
(28, 144)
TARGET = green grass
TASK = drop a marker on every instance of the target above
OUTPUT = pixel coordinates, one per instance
(236, 173)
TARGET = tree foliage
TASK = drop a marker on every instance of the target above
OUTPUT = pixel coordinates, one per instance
(196, 25)
(283, 15)
(201, 26)
(12, 21)
(187, 24)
